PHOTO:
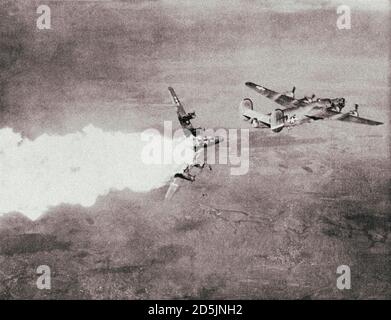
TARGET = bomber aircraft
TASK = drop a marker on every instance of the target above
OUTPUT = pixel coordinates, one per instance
(294, 111)
(200, 143)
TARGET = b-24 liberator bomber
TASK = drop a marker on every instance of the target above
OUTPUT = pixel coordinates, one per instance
(293, 112)
(200, 143)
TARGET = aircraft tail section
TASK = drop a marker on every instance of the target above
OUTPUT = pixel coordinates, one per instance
(277, 120)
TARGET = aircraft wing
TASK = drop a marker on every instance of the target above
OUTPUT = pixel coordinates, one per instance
(277, 97)
(350, 118)
(334, 115)
(319, 113)
(186, 176)
(179, 106)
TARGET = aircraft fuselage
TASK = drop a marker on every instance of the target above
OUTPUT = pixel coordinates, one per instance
(298, 114)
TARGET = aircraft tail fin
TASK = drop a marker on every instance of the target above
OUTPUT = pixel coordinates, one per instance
(290, 94)
(277, 120)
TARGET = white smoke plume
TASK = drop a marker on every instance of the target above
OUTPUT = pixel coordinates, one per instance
(74, 169)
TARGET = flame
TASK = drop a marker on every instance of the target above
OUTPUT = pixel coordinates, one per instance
(75, 168)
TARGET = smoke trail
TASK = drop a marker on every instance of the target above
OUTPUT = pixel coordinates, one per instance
(74, 169)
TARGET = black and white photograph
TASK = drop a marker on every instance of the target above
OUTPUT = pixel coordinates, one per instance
(195, 150)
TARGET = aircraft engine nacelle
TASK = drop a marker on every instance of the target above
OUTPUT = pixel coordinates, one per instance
(277, 120)
(338, 104)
